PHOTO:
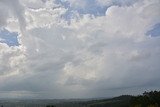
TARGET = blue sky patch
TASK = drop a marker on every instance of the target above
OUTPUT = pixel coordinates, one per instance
(155, 31)
(10, 38)
(91, 7)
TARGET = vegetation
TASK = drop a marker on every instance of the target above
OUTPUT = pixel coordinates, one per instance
(147, 99)
(50, 106)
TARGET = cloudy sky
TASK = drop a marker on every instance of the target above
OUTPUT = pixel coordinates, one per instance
(79, 48)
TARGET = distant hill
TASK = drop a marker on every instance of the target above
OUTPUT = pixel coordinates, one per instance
(121, 101)
(147, 99)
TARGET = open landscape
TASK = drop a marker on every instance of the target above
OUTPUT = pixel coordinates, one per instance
(79, 53)
(148, 99)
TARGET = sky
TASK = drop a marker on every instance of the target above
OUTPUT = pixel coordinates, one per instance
(79, 48)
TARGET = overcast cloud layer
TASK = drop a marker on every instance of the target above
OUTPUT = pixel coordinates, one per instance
(79, 48)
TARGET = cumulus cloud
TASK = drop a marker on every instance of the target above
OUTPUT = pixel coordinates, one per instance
(17, 10)
(88, 57)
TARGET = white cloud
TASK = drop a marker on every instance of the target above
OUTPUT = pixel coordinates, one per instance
(12, 60)
(43, 17)
(87, 56)
(4, 14)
